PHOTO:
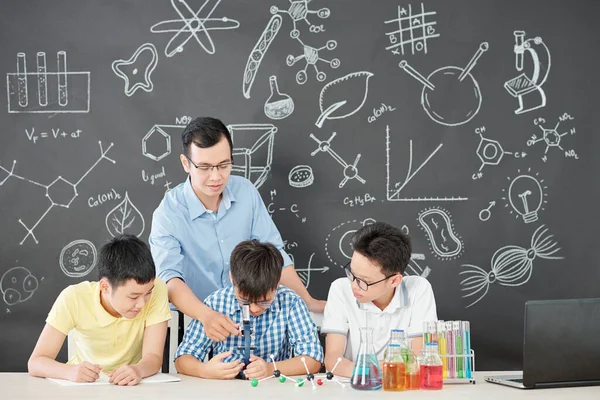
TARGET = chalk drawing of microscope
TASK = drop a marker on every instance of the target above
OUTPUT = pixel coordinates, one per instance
(528, 88)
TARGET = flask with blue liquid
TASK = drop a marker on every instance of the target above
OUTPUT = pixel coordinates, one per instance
(366, 374)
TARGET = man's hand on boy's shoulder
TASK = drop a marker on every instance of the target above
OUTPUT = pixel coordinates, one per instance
(126, 375)
(258, 368)
(217, 369)
(84, 372)
(217, 326)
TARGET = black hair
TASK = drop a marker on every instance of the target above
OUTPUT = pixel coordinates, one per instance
(126, 257)
(255, 269)
(205, 132)
(385, 245)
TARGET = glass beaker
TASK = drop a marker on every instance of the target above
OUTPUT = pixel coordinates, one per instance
(366, 374)
(431, 368)
(394, 368)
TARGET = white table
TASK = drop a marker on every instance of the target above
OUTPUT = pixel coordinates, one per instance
(23, 386)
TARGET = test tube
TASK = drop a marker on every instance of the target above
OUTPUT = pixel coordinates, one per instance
(42, 79)
(450, 350)
(519, 37)
(426, 335)
(466, 328)
(62, 78)
(458, 349)
(22, 79)
(441, 336)
(433, 332)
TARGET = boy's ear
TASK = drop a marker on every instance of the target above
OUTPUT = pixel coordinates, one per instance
(104, 285)
(396, 280)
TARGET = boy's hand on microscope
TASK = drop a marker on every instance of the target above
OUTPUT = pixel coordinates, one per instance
(258, 368)
(217, 369)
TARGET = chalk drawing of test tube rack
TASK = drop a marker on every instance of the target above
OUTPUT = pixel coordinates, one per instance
(62, 91)
(253, 143)
(451, 95)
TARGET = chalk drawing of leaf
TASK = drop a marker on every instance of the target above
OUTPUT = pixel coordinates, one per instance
(343, 96)
(125, 218)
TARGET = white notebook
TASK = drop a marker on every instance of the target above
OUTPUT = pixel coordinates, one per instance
(103, 380)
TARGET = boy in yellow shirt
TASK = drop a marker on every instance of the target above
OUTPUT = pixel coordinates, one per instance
(119, 322)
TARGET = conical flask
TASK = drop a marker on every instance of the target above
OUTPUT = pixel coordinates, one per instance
(278, 105)
(366, 374)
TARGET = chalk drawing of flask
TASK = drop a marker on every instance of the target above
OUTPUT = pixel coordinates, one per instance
(278, 105)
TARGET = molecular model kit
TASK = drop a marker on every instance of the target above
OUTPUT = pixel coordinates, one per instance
(315, 380)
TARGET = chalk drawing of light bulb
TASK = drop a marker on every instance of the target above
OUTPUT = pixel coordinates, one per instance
(526, 196)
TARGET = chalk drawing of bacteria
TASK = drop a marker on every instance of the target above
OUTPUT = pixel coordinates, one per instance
(443, 240)
(17, 285)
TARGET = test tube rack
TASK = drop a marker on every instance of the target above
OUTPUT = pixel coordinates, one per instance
(456, 359)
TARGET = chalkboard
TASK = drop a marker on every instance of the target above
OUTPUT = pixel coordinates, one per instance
(470, 124)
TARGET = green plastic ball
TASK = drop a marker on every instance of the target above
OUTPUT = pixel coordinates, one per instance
(282, 379)
(300, 382)
(254, 382)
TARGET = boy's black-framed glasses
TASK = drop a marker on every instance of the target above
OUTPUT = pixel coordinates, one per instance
(362, 284)
(262, 304)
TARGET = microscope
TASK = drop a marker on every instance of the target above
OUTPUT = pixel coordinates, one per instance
(528, 88)
(247, 334)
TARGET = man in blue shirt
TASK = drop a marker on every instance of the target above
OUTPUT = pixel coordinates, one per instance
(198, 223)
(278, 319)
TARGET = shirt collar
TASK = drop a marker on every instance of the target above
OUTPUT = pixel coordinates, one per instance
(228, 196)
(399, 300)
(195, 206)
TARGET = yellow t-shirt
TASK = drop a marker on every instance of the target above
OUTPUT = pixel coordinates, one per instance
(99, 337)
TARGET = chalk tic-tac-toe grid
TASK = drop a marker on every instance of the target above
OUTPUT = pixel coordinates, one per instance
(413, 30)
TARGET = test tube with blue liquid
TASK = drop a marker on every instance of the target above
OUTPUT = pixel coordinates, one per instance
(466, 331)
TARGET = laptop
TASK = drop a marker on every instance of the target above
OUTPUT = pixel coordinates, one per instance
(561, 347)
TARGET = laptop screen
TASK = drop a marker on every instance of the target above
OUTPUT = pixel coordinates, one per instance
(562, 341)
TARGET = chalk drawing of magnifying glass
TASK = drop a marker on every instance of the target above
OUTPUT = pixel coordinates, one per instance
(451, 95)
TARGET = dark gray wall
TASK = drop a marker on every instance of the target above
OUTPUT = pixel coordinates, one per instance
(36, 236)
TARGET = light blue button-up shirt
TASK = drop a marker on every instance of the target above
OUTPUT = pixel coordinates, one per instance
(195, 244)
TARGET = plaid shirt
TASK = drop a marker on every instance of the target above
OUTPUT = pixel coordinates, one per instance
(284, 327)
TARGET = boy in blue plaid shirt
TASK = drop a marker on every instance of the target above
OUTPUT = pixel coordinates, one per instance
(280, 321)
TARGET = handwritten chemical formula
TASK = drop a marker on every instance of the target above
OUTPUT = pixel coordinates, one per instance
(294, 209)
